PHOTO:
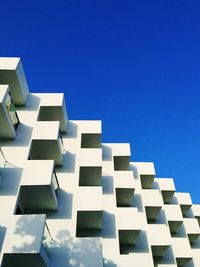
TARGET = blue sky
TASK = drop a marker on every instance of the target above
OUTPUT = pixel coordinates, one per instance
(133, 64)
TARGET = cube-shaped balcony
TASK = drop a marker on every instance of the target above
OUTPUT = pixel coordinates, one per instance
(128, 230)
(185, 202)
(39, 182)
(153, 202)
(90, 157)
(124, 188)
(26, 242)
(166, 185)
(8, 115)
(127, 240)
(146, 172)
(174, 217)
(46, 142)
(90, 134)
(12, 73)
(53, 108)
(158, 245)
(89, 211)
(196, 212)
(182, 251)
(121, 156)
(192, 229)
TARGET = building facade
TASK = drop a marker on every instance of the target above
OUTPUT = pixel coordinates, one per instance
(68, 200)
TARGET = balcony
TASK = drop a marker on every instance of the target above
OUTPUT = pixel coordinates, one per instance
(124, 196)
(146, 172)
(121, 163)
(53, 108)
(174, 217)
(127, 240)
(90, 134)
(124, 184)
(158, 245)
(12, 73)
(153, 202)
(90, 140)
(192, 229)
(26, 241)
(8, 115)
(89, 211)
(121, 156)
(90, 176)
(185, 202)
(90, 157)
(166, 185)
(39, 182)
(128, 230)
(182, 251)
(46, 142)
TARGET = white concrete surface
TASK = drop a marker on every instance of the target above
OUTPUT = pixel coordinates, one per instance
(119, 215)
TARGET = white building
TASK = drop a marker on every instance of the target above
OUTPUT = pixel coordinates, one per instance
(67, 200)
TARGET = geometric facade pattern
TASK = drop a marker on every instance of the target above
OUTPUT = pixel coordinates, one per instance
(66, 199)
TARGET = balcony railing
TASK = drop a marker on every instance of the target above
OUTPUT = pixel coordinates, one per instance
(12, 111)
(55, 182)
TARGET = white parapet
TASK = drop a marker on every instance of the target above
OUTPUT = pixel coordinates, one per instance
(23, 242)
(38, 182)
(46, 142)
(53, 108)
(12, 73)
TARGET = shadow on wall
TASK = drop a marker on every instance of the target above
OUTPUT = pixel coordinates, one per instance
(137, 202)
(76, 252)
(135, 171)
(32, 103)
(11, 181)
(69, 160)
(72, 130)
(64, 206)
(107, 184)
(25, 229)
(141, 245)
(22, 138)
(106, 153)
(109, 227)
(2, 236)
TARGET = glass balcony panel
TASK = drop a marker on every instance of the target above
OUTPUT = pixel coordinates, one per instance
(55, 181)
(12, 111)
(47, 240)
(2, 164)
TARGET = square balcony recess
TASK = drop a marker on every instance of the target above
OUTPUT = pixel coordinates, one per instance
(90, 140)
(39, 188)
(89, 223)
(127, 240)
(124, 196)
(8, 115)
(121, 163)
(46, 142)
(90, 176)
(12, 73)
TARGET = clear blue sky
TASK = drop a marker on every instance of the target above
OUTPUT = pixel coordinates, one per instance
(133, 64)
